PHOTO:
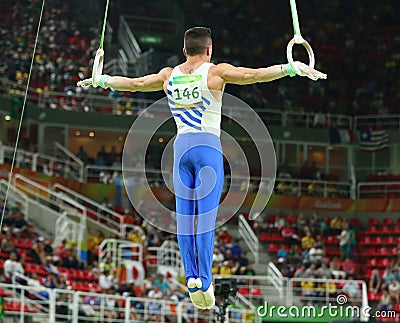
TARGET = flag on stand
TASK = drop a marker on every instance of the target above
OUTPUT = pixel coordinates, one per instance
(373, 140)
(340, 136)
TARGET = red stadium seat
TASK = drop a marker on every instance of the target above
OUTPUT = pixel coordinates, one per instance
(366, 240)
(355, 222)
(396, 230)
(382, 252)
(385, 230)
(372, 230)
(273, 248)
(244, 291)
(387, 221)
(389, 241)
(372, 263)
(373, 222)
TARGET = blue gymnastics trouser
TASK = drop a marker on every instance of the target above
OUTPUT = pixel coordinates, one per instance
(198, 182)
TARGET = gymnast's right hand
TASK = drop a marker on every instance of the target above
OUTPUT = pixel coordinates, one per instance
(86, 83)
(310, 72)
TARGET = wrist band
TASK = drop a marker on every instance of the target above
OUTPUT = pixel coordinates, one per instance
(289, 69)
(102, 81)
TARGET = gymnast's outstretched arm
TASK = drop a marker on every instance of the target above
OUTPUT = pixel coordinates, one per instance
(244, 75)
(148, 83)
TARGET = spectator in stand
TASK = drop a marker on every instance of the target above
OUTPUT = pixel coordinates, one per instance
(94, 242)
(248, 270)
(106, 280)
(279, 222)
(9, 221)
(324, 271)
(48, 249)
(243, 260)
(282, 254)
(37, 252)
(387, 276)
(21, 227)
(82, 155)
(226, 269)
(300, 271)
(92, 300)
(236, 249)
(301, 223)
(102, 154)
(155, 293)
(375, 282)
(344, 240)
(135, 236)
(61, 250)
(51, 281)
(148, 283)
(349, 267)
(11, 268)
(289, 235)
(316, 253)
(335, 225)
(311, 271)
(161, 283)
(352, 242)
(215, 267)
(112, 156)
(384, 301)
(61, 281)
(127, 217)
(394, 290)
(307, 286)
(307, 241)
(225, 236)
(7, 244)
(294, 255)
(218, 256)
(71, 261)
(336, 269)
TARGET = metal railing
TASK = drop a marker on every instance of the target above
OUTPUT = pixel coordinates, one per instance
(340, 292)
(37, 162)
(304, 187)
(73, 164)
(49, 205)
(91, 102)
(277, 279)
(86, 101)
(54, 305)
(66, 228)
(249, 237)
(118, 250)
(383, 189)
(169, 255)
(113, 221)
(317, 120)
(386, 121)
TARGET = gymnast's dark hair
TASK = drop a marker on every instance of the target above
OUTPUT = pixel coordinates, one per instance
(196, 40)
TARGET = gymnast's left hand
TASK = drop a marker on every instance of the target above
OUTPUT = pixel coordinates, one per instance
(86, 83)
(310, 72)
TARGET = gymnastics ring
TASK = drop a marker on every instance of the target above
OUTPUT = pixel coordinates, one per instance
(297, 39)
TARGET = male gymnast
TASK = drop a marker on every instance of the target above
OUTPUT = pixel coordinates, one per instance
(194, 90)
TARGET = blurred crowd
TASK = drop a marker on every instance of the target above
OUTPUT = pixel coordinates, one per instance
(33, 260)
(358, 51)
(314, 247)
